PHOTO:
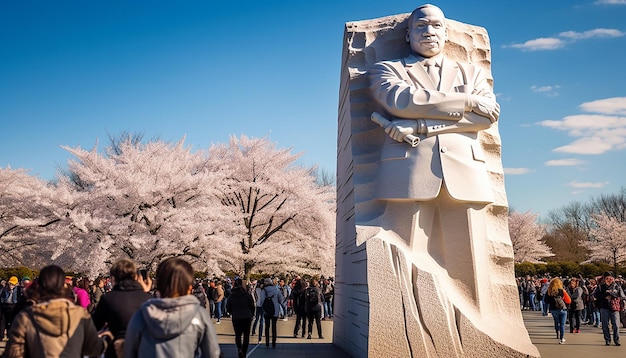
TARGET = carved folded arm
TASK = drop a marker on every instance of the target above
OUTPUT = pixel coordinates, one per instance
(402, 99)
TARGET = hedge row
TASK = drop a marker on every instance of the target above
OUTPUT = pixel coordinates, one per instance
(564, 269)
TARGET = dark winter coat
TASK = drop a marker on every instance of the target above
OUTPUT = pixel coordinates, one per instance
(240, 304)
(117, 307)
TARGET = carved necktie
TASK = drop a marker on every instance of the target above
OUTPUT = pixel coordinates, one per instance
(433, 71)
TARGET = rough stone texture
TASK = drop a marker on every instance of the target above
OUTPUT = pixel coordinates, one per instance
(375, 310)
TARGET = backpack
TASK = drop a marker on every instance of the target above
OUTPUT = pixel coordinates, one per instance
(198, 291)
(559, 301)
(312, 299)
(268, 306)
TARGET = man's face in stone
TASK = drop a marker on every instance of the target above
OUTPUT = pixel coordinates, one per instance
(427, 32)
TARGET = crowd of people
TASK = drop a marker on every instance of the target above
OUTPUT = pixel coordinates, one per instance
(259, 304)
(597, 302)
(128, 314)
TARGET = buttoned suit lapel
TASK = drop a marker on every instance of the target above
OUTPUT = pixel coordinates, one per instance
(418, 73)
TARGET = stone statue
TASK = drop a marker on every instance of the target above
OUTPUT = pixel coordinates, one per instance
(426, 204)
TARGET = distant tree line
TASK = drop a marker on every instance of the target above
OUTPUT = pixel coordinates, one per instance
(579, 237)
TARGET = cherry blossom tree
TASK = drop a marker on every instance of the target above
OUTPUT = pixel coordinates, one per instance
(608, 240)
(244, 206)
(285, 220)
(527, 237)
(142, 201)
(26, 217)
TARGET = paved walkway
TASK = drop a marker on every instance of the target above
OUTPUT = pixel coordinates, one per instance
(588, 343)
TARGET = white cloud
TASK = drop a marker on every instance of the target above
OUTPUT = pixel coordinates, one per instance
(550, 91)
(564, 162)
(553, 43)
(595, 33)
(543, 43)
(516, 171)
(615, 105)
(575, 184)
(584, 146)
(595, 133)
(610, 2)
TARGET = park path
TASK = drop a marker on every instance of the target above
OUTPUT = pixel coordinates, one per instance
(588, 343)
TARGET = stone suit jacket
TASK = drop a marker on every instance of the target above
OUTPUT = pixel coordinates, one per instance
(450, 150)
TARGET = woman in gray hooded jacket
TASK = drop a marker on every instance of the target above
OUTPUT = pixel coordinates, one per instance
(174, 325)
(270, 290)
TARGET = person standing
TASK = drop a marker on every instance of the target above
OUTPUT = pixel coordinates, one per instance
(117, 307)
(199, 292)
(329, 291)
(299, 308)
(8, 299)
(54, 326)
(80, 287)
(314, 303)
(258, 313)
(209, 287)
(96, 292)
(576, 306)
(592, 306)
(558, 308)
(218, 296)
(240, 304)
(607, 294)
(270, 290)
(543, 291)
(284, 291)
(174, 325)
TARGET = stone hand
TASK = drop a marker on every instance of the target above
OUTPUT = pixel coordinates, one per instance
(485, 107)
(400, 128)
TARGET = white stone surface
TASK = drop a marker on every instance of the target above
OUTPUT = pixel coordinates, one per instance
(391, 300)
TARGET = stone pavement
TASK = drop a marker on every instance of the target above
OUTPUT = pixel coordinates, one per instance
(588, 343)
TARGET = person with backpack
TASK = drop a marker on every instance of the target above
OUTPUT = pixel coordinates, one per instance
(558, 307)
(271, 301)
(313, 306)
(198, 291)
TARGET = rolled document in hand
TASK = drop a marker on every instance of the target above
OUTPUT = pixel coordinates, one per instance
(384, 122)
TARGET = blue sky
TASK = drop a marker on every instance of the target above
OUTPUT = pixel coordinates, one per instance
(73, 71)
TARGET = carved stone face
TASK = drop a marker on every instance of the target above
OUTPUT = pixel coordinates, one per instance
(427, 31)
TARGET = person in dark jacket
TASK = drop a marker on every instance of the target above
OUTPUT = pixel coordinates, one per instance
(240, 304)
(198, 291)
(297, 295)
(314, 303)
(604, 294)
(117, 307)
